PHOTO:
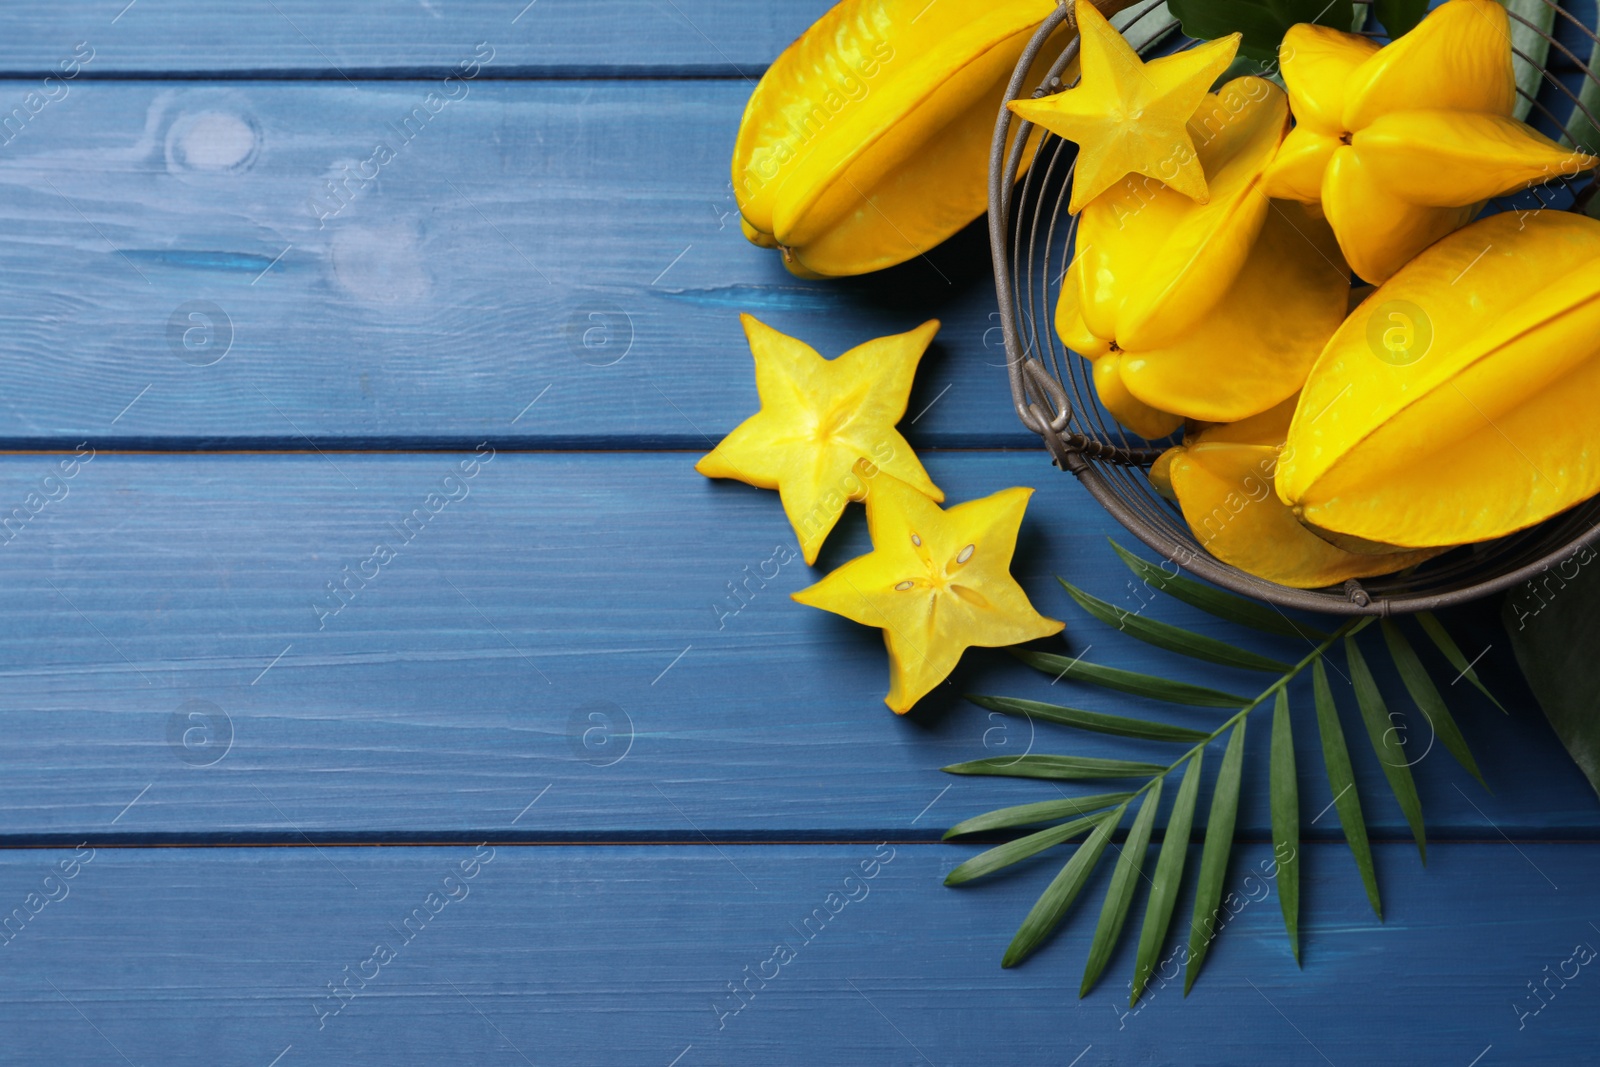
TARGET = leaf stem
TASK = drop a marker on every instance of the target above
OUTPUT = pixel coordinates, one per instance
(1354, 626)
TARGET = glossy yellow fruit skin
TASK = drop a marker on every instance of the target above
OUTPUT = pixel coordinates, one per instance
(1223, 479)
(867, 141)
(1403, 144)
(1209, 311)
(1152, 260)
(1489, 429)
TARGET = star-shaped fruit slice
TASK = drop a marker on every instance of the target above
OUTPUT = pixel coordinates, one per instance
(936, 582)
(819, 417)
(1128, 116)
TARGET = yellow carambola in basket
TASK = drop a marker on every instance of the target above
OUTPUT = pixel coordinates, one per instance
(1031, 234)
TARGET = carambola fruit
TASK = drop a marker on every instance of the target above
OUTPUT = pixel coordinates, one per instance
(1223, 480)
(937, 582)
(1402, 144)
(867, 141)
(1128, 116)
(1483, 423)
(1210, 311)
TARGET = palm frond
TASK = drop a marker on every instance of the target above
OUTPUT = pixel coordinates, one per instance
(1142, 685)
(1388, 743)
(1342, 783)
(1285, 789)
(1097, 817)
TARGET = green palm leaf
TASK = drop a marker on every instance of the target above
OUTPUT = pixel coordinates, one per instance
(1028, 814)
(1089, 815)
(1214, 601)
(1124, 879)
(1168, 879)
(1342, 780)
(1065, 768)
(1144, 685)
(1434, 628)
(1427, 699)
(1173, 638)
(1386, 743)
(1015, 851)
(1530, 48)
(1091, 720)
(1214, 856)
(1285, 792)
(1048, 910)
(1399, 16)
(1581, 131)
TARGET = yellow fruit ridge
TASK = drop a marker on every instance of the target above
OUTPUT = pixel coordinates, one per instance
(1223, 480)
(819, 418)
(936, 582)
(1210, 311)
(1402, 145)
(1456, 403)
(867, 141)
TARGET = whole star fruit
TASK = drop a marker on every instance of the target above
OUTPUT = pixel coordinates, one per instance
(1223, 480)
(1209, 311)
(1456, 404)
(1151, 261)
(819, 417)
(1128, 116)
(1250, 352)
(936, 582)
(1403, 144)
(867, 141)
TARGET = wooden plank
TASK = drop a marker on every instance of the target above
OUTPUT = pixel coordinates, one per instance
(558, 627)
(579, 238)
(616, 955)
(371, 38)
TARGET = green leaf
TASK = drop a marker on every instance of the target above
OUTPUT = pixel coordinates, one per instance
(1091, 720)
(1426, 696)
(1262, 22)
(1554, 623)
(1399, 16)
(1342, 780)
(1143, 685)
(1582, 131)
(1168, 878)
(1028, 814)
(1286, 820)
(1529, 42)
(1172, 638)
(1015, 851)
(1124, 878)
(1066, 768)
(1214, 856)
(1452, 652)
(1386, 743)
(1215, 602)
(1063, 890)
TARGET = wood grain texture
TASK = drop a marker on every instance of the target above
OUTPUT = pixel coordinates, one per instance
(615, 955)
(580, 238)
(372, 38)
(368, 38)
(459, 682)
(557, 265)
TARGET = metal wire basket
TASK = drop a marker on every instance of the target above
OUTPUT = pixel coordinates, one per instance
(1031, 236)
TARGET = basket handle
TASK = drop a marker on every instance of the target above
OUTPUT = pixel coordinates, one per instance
(1072, 451)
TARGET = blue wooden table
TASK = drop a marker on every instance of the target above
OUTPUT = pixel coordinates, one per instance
(517, 791)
